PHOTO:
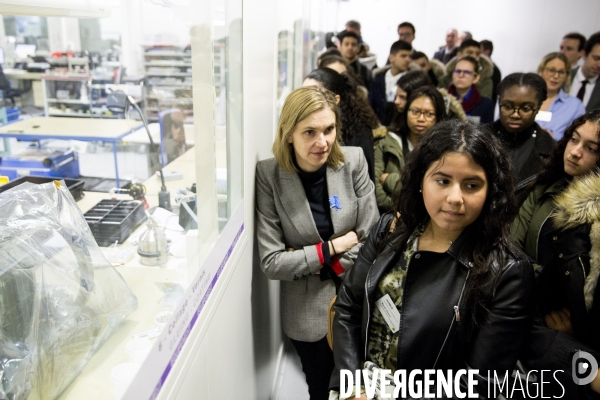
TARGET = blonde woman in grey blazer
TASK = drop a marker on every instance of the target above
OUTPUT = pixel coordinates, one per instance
(315, 205)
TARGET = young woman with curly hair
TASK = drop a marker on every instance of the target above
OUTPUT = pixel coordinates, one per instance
(358, 119)
(443, 258)
(559, 227)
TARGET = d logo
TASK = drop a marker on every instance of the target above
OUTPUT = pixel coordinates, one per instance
(584, 368)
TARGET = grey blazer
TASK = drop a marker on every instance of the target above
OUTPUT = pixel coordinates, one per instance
(594, 102)
(284, 220)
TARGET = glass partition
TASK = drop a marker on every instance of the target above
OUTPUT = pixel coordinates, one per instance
(185, 59)
(301, 38)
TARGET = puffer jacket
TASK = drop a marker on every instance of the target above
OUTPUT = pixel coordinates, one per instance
(485, 84)
(388, 159)
(533, 213)
(569, 280)
(436, 329)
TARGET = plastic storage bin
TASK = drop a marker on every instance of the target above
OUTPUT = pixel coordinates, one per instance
(75, 186)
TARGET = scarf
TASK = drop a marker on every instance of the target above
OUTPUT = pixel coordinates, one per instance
(471, 100)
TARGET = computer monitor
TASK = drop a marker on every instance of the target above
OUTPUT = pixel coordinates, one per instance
(1, 56)
(24, 50)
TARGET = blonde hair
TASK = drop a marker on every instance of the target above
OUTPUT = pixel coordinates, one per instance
(299, 105)
(553, 56)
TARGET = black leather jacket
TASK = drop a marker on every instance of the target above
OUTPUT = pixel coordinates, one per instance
(436, 331)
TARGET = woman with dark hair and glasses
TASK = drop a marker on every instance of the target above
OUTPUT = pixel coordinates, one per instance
(444, 262)
(529, 147)
(464, 87)
(561, 107)
(406, 84)
(424, 107)
(559, 227)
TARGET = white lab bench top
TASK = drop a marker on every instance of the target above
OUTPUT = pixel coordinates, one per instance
(94, 382)
(109, 130)
(22, 74)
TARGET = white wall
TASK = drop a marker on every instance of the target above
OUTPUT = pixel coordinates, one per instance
(523, 31)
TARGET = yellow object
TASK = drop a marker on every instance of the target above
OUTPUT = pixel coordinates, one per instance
(4, 179)
(57, 184)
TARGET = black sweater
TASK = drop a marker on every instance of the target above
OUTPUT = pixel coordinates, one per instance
(529, 151)
(315, 187)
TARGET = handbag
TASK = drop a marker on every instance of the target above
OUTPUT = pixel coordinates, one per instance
(330, 316)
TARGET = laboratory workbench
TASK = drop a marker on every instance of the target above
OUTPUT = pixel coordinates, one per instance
(94, 383)
(64, 128)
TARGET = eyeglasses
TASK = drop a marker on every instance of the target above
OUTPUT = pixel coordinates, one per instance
(463, 72)
(554, 71)
(524, 111)
(415, 112)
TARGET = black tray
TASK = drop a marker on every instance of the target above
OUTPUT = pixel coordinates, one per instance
(75, 186)
(114, 220)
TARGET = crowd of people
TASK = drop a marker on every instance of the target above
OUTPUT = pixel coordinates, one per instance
(382, 172)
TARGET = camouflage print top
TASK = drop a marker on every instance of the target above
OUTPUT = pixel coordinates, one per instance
(382, 346)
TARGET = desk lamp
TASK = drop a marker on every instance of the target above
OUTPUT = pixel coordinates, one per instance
(118, 102)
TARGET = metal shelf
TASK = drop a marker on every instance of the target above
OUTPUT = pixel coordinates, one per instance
(69, 101)
(165, 53)
(167, 64)
(172, 84)
(82, 115)
(170, 59)
(183, 74)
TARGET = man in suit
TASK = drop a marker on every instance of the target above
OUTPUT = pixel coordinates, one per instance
(448, 52)
(585, 78)
(571, 46)
(383, 88)
(406, 32)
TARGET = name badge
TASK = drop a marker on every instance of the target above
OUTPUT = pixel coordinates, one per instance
(390, 313)
(474, 118)
(544, 116)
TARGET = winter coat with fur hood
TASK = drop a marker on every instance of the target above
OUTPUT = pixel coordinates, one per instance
(560, 224)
